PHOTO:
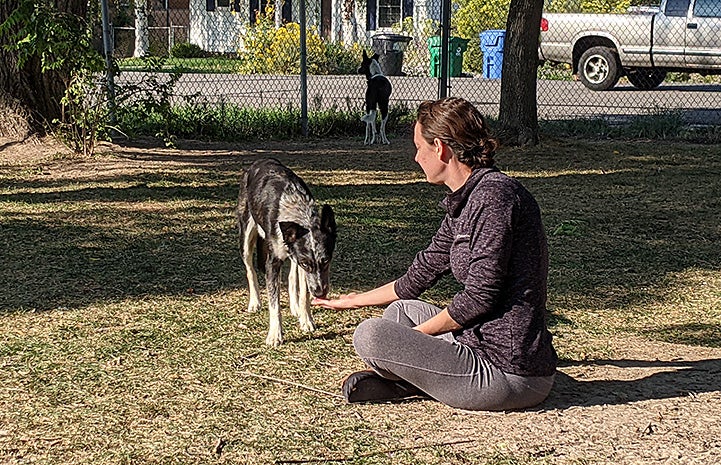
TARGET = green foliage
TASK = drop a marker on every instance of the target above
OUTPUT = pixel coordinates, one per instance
(271, 50)
(588, 6)
(474, 17)
(341, 59)
(186, 50)
(85, 113)
(62, 44)
(555, 72)
(661, 125)
(61, 41)
(233, 123)
(148, 102)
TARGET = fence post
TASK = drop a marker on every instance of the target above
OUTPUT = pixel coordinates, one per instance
(108, 50)
(303, 72)
(445, 35)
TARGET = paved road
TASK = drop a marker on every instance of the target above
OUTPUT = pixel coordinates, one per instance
(700, 103)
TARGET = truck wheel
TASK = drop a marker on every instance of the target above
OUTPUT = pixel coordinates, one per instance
(645, 78)
(599, 68)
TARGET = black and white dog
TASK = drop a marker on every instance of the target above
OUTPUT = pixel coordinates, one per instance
(277, 206)
(378, 93)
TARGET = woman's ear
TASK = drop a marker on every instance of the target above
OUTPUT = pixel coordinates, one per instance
(443, 151)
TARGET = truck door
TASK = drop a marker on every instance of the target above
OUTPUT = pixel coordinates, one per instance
(669, 34)
(703, 35)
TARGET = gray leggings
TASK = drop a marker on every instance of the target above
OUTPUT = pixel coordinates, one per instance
(444, 369)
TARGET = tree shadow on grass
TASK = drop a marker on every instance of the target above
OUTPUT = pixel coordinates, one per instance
(73, 247)
(669, 380)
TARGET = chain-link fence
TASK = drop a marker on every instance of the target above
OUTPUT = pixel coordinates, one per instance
(618, 62)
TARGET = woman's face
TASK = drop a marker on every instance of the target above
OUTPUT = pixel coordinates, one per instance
(429, 157)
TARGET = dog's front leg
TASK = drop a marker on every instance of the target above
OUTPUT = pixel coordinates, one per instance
(250, 239)
(305, 316)
(272, 284)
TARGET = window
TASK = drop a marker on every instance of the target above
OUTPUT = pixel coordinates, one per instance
(677, 8)
(389, 12)
(386, 13)
(212, 5)
(707, 8)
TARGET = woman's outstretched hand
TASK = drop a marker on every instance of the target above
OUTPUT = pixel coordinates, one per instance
(382, 295)
(343, 302)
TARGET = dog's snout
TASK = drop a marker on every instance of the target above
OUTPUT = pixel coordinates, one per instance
(320, 291)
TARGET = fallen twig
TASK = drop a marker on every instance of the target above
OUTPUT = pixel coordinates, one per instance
(291, 383)
(371, 454)
(219, 445)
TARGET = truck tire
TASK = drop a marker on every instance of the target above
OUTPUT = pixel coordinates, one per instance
(599, 68)
(645, 78)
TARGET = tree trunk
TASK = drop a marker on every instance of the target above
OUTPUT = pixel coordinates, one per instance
(518, 117)
(142, 41)
(39, 92)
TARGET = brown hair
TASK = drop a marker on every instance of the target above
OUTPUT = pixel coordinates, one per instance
(461, 126)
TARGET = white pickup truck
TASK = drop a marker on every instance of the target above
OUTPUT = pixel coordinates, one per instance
(643, 44)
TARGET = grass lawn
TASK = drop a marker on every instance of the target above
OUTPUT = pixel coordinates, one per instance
(185, 65)
(124, 340)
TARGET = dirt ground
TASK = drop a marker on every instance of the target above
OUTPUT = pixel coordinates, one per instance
(650, 403)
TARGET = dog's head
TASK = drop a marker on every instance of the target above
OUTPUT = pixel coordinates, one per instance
(312, 249)
(370, 65)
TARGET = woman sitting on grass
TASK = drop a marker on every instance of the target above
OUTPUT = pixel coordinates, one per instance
(489, 349)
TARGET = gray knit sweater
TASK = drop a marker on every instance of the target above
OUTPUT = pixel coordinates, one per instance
(492, 240)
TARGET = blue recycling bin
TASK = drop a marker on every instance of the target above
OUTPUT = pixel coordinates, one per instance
(492, 47)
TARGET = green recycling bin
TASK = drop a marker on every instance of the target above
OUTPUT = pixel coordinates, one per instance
(456, 47)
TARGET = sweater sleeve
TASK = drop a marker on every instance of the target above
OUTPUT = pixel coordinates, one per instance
(429, 265)
(491, 242)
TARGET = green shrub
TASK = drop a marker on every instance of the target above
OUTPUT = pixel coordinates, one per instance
(271, 50)
(229, 122)
(555, 72)
(187, 50)
(340, 59)
(474, 17)
(588, 6)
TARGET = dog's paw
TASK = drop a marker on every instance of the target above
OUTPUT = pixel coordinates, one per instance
(307, 325)
(253, 307)
(274, 339)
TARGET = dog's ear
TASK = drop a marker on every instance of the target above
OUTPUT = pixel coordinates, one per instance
(327, 220)
(365, 55)
(291, 231)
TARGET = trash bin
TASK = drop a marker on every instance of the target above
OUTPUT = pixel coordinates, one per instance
(456, 47)
(492, 48)
(390, 48)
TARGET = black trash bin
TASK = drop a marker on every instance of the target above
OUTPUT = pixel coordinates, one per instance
(390, 48)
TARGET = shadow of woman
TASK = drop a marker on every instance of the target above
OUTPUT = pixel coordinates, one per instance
(669, 379)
